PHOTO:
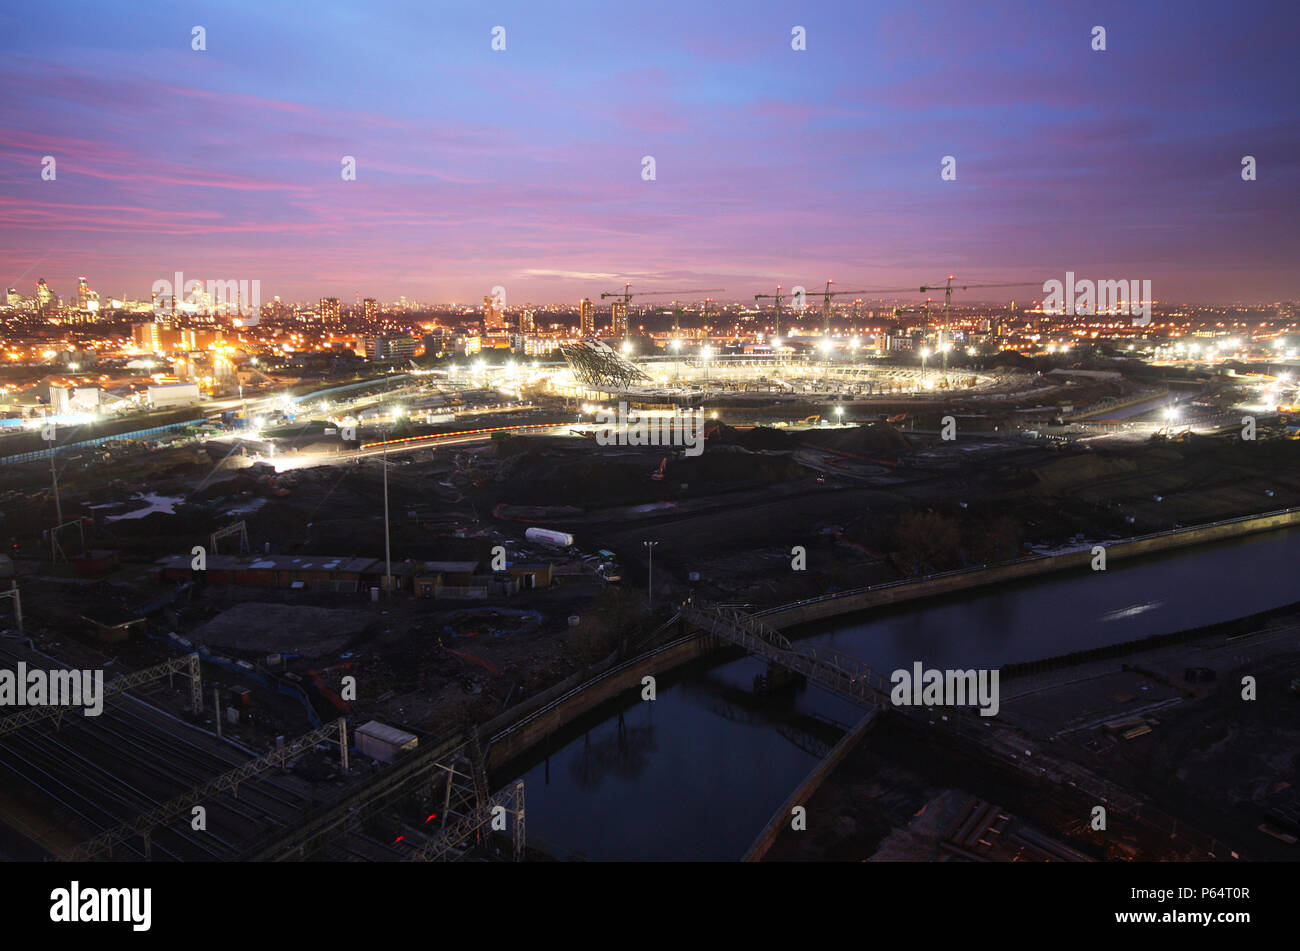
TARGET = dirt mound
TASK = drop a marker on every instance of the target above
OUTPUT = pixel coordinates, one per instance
(1082, 469)
(758, 439)
(877, 439)
(729, 465)
(625, 479)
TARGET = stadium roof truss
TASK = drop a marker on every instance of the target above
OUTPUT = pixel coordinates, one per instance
(597, 364)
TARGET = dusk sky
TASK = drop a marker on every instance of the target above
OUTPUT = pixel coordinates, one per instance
(524, 168)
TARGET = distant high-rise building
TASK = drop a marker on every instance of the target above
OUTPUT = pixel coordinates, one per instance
(618, 318)
(494, 317)
(586, 318)
(330, 309)
(370, 308)
(12, 297)
(44, 296)
(526, 323)
(83, 293)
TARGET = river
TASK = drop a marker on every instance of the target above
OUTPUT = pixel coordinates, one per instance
(696, 773)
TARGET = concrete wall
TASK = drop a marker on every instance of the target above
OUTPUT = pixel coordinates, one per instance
(782, 818)
(530, 729)
(862, 599)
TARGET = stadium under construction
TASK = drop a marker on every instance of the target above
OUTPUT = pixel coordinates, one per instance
(596, 370)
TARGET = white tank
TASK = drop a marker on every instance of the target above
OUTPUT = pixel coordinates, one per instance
(547, 537)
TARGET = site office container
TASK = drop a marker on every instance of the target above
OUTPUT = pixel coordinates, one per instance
(382, 742)
(532, 575)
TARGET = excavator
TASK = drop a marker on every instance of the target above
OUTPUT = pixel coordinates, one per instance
(658, 474)
(1167, 433)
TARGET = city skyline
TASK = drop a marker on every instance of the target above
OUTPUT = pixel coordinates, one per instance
(523, 167)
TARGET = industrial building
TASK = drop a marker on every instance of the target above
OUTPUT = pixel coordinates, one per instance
(173, 394)
(322, 573)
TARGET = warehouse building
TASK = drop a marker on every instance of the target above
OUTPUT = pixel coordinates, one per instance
(321, 573)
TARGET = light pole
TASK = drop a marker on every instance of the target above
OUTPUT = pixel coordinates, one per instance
(58, 508)
(650, 574)
(388, 558)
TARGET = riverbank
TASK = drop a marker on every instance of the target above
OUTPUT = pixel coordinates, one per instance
(515, 731)
(1186, 769)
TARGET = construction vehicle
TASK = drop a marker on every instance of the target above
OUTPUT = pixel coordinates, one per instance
(1167, 433)
(809, 421)
(895, 420)
(658, 474)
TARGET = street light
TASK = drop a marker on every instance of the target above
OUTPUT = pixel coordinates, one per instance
(388, 557)
(650, 569)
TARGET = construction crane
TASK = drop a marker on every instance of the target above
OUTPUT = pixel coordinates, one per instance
(777, 297)
(827, 295)
(949, 287)
(626, 296)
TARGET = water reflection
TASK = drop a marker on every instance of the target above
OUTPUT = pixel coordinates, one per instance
(624, 754)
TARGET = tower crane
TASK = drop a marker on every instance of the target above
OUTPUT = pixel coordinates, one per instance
(950, 287)
(827, 295)
(777, 298)
(626, 296)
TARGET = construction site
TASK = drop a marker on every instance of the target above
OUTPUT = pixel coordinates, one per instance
(424, 558)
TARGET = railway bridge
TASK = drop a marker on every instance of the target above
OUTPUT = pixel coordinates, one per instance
(834, 670)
